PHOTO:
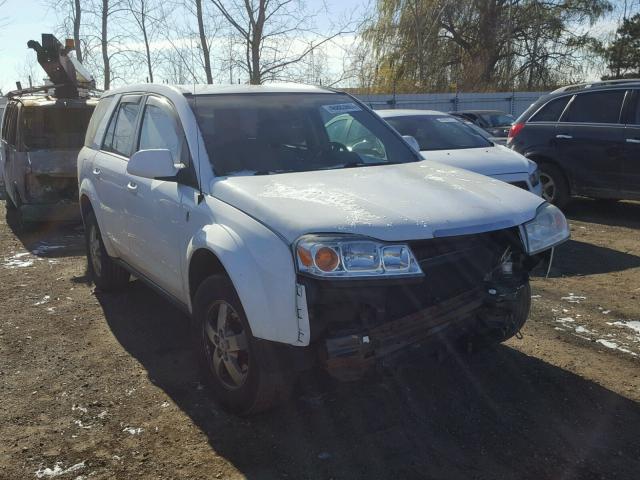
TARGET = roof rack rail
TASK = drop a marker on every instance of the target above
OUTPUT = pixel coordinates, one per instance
(599, 83)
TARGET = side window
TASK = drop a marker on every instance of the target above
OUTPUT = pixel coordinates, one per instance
(637, 115)
(12, 124)
(160, 130)
(122, 128)
(361, 140)
(93, 136)
(551, 111)
(595, 107)
(5, 121)
(336, 130)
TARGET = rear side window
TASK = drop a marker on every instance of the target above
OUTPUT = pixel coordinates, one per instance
(551, 111)
(94, 135)
(636, 120)
(595, 107)
(122, 128)
(10, 123)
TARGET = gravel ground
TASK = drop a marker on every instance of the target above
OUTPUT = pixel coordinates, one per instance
(101, 386)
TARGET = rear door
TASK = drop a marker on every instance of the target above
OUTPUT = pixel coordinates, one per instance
(109, 172)
(590, 142)
(158, 210)
(631, 177)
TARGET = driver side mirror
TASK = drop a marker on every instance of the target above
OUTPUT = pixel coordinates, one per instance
(154, 164)
(413, 143)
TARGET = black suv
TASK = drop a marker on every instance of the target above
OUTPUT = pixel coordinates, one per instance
(585, 139)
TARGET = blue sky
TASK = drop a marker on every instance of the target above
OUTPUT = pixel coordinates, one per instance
(25, 20)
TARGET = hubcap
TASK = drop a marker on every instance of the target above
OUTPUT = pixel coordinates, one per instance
(226, 345)
(94, 250)
(548, 187)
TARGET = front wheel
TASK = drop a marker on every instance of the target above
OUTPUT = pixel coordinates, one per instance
(105, 272)
(555, 188)
(244, 372)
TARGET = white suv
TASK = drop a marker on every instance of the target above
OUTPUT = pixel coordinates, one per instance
(290, 249)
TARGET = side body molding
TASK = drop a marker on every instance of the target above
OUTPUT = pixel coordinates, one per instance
(261, 268)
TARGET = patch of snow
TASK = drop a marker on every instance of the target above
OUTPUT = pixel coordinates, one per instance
(16, 261)
(45, 299)
(573, 298)
(133, 430)
(633, 325)
(81, 425)
(57, 470)
(78, 408)
(45, 247)
(614, 346)
(606, 312)
(164, 404)
(581, 329)
(565, 320)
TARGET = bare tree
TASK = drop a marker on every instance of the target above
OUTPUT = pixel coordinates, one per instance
(69, 13)
(144, 13)
(204, 43)
(276, 34)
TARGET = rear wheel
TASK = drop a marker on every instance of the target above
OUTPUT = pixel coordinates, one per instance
(105, 272)
(245, 373)
(555, 188)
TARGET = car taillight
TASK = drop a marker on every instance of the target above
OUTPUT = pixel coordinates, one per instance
(515, 130)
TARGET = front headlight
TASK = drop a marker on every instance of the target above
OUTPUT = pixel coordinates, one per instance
(548, 229)
(350, 256)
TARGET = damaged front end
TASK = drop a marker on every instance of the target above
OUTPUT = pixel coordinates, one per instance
(470, 287)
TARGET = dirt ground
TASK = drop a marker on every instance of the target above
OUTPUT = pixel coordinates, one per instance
(102, 386)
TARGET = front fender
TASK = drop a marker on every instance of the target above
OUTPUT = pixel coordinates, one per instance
(261, 268)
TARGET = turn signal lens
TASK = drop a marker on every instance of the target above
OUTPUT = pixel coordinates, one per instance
(305, 256)
(327, 259)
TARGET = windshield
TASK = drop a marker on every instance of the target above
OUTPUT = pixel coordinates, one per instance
(291, 132)
(438, 132)
(498, 119)
(55, 127)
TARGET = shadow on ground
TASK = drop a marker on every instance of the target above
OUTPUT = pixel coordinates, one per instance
(616, 214)
(50, 239)
(500, 414)
(575, 258)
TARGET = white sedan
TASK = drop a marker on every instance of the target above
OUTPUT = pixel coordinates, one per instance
(443, 138)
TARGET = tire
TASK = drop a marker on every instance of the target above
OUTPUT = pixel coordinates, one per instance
(555, 188)
(106, 274)
(245, 373)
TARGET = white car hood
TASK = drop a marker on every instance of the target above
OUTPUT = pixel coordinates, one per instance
(393, 202)
(495, 160)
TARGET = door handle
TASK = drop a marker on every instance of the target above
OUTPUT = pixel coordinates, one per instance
(633, 140)
(132, 187)
(96, 171)
(563, 136)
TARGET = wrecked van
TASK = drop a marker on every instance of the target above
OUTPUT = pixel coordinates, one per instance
(41, 138)
(290, 249)
(43, 129)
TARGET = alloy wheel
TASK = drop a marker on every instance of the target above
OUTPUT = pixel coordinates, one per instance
(95, 251)
(226, 345)
(548, 187)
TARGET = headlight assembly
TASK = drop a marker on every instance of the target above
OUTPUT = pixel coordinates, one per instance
(353, 257)
(548, 229)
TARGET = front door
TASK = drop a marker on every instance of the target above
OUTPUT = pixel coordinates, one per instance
(158, 210)
(589, 139)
